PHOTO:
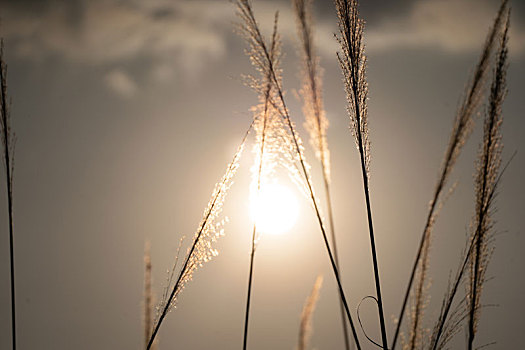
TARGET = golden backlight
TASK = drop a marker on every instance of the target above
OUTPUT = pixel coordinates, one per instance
(275, 210)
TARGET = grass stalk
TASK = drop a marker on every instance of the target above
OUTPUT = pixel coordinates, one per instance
(353, 65)
(254, 37)
(487, 172)
(263, 137)
(305, 329)
(460, 132)
(316, 121)
(486, 182)
(200, 251)
(8, 154)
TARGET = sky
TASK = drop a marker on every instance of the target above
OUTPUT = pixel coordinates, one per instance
(126, 114)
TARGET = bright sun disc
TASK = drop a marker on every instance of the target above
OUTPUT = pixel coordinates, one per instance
(275, 210)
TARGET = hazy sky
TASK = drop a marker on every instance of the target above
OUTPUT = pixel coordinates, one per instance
(126, 114)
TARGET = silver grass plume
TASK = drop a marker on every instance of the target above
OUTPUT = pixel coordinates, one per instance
(461, 130)
(488, 166)
(270, 114)
(208, 231)
(311, 91)
(316, 121)
(305, 329)
(249, 28)
(8, 145)
(479, 247)
(352, 60)
(267, 148)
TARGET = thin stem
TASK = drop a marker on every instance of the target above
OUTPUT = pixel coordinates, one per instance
(373, 250)
(195, 241)
(318, 214)
(336, 257)
(9, 183)
(248, 297)
(303, 13)
(246, 13)
(259, 174)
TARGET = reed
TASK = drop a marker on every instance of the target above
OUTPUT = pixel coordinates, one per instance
(487, 179)
(208, 231)
(8, 144)
(255, 39)
(277, 143)
(461, 130)
(488, 169)
(267, 126)
(305, 329)
(316, 121)
(352, 60)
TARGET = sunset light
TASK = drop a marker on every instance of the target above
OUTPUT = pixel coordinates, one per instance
(275, 210)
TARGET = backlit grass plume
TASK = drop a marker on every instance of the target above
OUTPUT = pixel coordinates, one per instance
(479, 249)
(316, 121)
(305, 329)
(8, 145)
(352, 60)
(263, 61)
(267, 149)
(209, 229)
(462, 127)
(485, 183)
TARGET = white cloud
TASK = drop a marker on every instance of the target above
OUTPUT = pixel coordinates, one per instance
(446, 25)
(121, 83)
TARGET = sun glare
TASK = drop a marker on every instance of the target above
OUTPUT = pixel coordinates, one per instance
(275, 210)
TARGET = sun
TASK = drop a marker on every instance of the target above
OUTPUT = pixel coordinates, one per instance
(275, 210)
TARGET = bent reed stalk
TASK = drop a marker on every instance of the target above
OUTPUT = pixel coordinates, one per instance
(461, 131)
(201, 250)
(353, 65)
(8, 144)
(316, 121)
(251, 29)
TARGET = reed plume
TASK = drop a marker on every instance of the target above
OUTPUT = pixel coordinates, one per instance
(462, 127)
(305, 329)
(479, 246)
(208, 231)
(316, 121)
(8, 143)
(250, 29)
(268, 130)
(352, 60)
(485, 182)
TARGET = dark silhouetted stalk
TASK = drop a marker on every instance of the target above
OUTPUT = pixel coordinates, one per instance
(353, 65)
(251, 30)
(486, 183)
(263, 137)
(8, 145)
(198, 254)
(316, 121)
(488, 169)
